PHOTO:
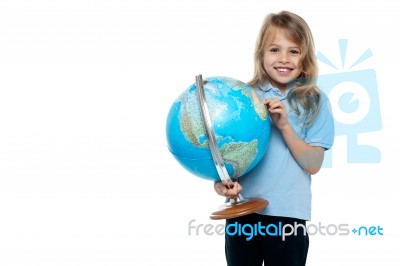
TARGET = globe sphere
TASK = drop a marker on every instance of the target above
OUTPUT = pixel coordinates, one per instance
(240, 122)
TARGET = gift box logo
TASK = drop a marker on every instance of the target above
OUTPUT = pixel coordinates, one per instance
(355, 105)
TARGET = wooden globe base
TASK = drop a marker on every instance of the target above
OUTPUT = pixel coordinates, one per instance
(233, 210)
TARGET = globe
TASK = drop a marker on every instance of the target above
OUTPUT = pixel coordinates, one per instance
(240, 122)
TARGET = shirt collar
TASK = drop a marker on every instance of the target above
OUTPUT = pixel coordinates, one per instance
(275, 92)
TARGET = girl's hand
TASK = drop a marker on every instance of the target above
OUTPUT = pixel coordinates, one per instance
(277, 112)
(230, 190)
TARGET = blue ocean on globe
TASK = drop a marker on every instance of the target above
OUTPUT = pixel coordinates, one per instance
(240, 121)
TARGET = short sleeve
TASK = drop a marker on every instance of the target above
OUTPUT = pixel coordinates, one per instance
(322, 131)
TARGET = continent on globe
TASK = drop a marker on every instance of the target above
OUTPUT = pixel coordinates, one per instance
(240, 122)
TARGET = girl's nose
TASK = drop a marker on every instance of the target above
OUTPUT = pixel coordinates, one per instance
(283, 58)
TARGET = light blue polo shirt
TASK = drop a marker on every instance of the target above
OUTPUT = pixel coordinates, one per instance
(278, 178)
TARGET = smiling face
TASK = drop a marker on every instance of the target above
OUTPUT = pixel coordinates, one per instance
(282, 60)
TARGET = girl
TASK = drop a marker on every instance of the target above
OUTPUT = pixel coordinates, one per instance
(285, 77)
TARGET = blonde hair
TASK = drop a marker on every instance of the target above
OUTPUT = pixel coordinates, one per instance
(304, 95)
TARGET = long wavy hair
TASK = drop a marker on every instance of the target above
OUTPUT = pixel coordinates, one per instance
(304, 98)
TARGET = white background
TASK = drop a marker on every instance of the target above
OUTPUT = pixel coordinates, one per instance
(85, 86)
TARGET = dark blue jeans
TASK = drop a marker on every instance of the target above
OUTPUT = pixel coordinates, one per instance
(277, 241)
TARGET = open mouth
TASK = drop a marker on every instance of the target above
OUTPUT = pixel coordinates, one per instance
(283, 70)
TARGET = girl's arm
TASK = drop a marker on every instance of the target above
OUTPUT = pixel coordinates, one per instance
(310, 158)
